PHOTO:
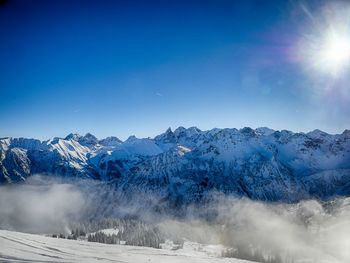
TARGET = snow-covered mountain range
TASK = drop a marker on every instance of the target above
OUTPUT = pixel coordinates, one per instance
(186, 164)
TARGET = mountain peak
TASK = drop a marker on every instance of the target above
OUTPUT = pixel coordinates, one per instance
(248, 131)
(168, 131)
(180, 129)
(264, 131)
(88, 140)
(317, 133)
(110, 141)
(89, 135)
(73, 136)
(187, 132)
(131, 138)
(346, 133)
(167, 137)
(194, 130)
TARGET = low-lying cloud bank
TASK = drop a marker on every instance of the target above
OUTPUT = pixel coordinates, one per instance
(39, 206)
(309, 231)
(305, 232)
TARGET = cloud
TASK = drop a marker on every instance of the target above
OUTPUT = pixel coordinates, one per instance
(38, 207)
(308, 231)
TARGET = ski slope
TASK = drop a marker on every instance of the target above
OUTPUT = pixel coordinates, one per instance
(22, 247)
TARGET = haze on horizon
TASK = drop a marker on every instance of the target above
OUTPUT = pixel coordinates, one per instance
(138, 67)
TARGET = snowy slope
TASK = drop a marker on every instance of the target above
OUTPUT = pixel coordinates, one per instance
(188, 163)
(21, 247)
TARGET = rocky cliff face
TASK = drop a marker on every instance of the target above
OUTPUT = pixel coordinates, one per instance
(186, 164)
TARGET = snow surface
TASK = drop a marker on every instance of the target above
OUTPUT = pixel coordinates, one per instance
(22, 247)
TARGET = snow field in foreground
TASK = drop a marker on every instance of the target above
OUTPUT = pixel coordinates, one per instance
(22, 247)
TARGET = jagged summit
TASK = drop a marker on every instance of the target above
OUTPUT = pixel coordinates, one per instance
(258, 163)
(73, 136)
(88, 140)
(264, 131)
(167, 137)
(168, 131)
(110, 141)
(346, 133)
(170, 136)
(131, 138)
(317, 133)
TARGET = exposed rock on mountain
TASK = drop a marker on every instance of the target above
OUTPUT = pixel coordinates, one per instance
(186, 164)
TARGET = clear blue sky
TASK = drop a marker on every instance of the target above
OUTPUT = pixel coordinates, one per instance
(138, 67)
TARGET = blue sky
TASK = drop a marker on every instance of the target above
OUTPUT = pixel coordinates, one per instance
(139, 67)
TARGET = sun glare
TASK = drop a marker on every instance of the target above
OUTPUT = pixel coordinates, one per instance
(325, 46)
(334, 54)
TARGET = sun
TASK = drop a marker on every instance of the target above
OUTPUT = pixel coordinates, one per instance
(333, 54)
(324, 48)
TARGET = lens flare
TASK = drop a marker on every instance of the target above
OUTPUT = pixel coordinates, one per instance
(325, 47)
(336, 51)
(333, 56)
